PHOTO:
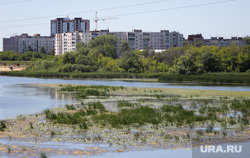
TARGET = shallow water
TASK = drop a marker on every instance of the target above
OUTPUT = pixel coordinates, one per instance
(16, 98)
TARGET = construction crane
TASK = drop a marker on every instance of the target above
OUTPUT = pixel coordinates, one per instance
(101, 19)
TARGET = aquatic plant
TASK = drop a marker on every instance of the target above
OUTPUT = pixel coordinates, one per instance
(200, 132)
(31, 125)
(124, 103)
(9, 149)
(140, 115)
(70, 107)
(43, 155)
(2, 125)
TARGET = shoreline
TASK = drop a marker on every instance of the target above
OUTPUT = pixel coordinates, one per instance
(209, 79)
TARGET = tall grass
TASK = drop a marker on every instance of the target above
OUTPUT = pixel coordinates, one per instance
(124, 103)
(221, 78)
(94, 75)
(140, 115)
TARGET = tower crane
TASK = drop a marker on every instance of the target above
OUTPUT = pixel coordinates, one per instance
(101, 19)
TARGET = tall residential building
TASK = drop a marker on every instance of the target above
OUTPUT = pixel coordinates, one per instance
(21, 43)
(221, 42)
(215, 41)
(61, 25)
(192, 39)
(65, 42)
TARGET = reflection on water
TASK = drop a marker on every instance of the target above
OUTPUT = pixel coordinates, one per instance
(25, 99)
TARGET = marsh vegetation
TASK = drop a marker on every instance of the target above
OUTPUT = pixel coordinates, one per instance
(135, 118)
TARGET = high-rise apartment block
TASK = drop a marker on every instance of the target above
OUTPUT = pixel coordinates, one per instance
(20, 44)
(61, 25)
(221, 42)
(65, 42)
(215, 41)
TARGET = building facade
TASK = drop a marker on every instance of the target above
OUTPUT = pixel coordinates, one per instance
(61, 25)
(215, 41)
(65, 42)
(20, 44)
(221, 42)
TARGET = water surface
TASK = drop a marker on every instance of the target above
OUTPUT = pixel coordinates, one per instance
(16, 98)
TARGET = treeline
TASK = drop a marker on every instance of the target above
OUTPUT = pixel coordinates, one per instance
(100, 55)
(28, 56)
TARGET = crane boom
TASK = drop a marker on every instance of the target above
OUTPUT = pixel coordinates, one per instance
(101, 19)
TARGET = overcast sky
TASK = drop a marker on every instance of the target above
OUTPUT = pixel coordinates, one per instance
(224, 18)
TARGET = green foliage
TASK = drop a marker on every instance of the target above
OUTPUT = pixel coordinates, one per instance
(29, 49)
(70, 107)
(200, 132)
(247, 40)
(210, 62)
(140, 115)
(209, 77)
(11, 56)
(105, 45)
(43, 155)
(2, 126)
(124, 103)
(124, 47)
(96, 106)
(130, 62)
(65, 118)
(43, 51)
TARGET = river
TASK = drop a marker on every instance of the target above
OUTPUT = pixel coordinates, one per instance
(18, 98)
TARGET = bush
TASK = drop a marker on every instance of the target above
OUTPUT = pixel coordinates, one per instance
(2, 125)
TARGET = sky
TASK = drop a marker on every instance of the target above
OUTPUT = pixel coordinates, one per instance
(213, 18)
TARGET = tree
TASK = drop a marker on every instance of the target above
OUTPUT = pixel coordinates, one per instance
(247, 40)
(43, 51)
(27, 56)
(124, 47)
(69, 58)
(29, 49)
(106, 45)
(130, 62)
(186, 65)
(52, 52)
(210, 62)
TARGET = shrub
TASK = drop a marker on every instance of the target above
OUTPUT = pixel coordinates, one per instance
(2, 125)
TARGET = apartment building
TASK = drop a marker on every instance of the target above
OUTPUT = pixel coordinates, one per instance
(61, 25)
(65, 42)
(21, 43)
(215, 41)
(221, 42)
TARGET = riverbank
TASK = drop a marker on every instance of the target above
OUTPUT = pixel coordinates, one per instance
(208, 78)
(14, 68)
(36, 134)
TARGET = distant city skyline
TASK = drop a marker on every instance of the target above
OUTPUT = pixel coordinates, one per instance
(226, 18)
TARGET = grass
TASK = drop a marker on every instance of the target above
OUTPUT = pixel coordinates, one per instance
(140, 116)
(94, 75)
(124, 103)
(82, 92)
(70, 107)
(221, 78)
